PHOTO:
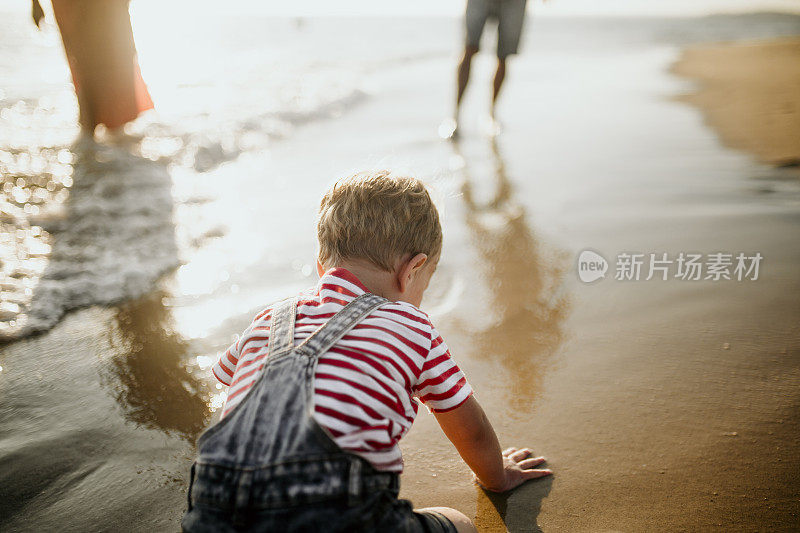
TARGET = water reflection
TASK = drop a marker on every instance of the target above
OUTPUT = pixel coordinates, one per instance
(523, 278)
(100, 234)
(34, 182)
(148, 373)
(106, 215)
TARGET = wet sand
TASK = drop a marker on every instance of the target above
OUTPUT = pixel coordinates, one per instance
(749, 93)
(661, 405)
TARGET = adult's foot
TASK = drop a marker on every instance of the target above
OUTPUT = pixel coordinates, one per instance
(448, 129)
(83, 142)
(492, 126)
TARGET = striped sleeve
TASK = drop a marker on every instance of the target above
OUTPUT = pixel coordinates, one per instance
(225, 366)
(441, 386)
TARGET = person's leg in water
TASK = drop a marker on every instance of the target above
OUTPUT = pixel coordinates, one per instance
(72, 24)
(461, 522)
(499, 77)
(509, 32)
(464, 67)
(449, 127)
(475, 16)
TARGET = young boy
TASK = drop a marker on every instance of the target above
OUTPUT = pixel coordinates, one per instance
(324, 385)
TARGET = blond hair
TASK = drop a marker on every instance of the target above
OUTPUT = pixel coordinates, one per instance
(377, 216)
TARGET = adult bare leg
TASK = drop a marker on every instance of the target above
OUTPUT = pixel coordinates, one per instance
(499, 77)
(463, 74)
(449, 127)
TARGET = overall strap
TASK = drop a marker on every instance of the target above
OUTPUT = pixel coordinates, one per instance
(281, 329)
(340, 324)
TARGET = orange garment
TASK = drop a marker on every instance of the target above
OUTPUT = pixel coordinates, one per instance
(98, 41)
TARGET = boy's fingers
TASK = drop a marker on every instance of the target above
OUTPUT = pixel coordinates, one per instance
(535, 474)
(531, 462)
(519, 455)
(508, 451)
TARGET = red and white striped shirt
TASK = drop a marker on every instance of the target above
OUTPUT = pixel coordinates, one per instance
(365, 386)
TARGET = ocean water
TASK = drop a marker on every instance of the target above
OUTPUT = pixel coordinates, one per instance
(84, 224)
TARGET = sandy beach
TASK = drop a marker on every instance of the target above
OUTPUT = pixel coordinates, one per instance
(748, 92)
(661, 405)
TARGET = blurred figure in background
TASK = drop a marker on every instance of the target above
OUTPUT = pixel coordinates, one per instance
(509, 15)
(98, 42)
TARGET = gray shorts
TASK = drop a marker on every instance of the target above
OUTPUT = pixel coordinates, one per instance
(509, 15)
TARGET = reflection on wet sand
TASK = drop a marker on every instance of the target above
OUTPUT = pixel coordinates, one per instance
(527, 307)
(527, 310)
(115, 237)
(148, 374)
(112, 233)
(63, 443)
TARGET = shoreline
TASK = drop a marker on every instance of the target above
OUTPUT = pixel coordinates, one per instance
(749, 93)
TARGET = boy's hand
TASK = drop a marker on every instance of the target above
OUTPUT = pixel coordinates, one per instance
(471, 433)
(518, 466)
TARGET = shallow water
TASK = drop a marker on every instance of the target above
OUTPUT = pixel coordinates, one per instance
(210, 216)
(227, 90)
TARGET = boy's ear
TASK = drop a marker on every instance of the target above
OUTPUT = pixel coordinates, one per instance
(418, 261)
(408, 268)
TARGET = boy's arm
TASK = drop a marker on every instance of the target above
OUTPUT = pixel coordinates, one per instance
(472, 434)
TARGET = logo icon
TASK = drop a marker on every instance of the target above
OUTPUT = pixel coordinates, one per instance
(591, 266)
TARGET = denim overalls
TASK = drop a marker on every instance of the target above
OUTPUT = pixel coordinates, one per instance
(269, 466)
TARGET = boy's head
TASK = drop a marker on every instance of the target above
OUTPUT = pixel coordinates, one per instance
(378, 217)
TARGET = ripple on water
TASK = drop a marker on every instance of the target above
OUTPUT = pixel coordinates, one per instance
(84, 225)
